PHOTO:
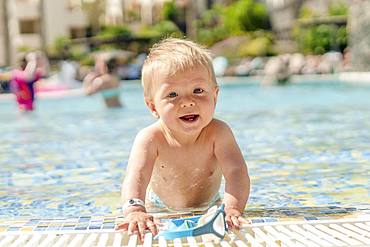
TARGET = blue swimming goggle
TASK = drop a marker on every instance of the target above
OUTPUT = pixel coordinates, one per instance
(186, 227)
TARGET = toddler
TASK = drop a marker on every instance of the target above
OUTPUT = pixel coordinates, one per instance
(179, 160)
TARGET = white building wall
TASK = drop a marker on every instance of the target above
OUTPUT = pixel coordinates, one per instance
(13, 29)
(2, 35)
(27, 9)
(59, 18)
(114, 12)
(359, 39)
(31, 40)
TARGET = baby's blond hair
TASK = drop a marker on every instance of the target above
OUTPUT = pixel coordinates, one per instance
(171, 56)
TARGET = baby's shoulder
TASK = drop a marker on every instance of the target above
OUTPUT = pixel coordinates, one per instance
(218, 126)
(216, 129)
(151, 132)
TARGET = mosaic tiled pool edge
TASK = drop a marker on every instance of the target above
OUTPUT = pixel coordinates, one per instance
(96, 223)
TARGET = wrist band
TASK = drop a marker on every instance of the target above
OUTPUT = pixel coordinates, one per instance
(132, 202)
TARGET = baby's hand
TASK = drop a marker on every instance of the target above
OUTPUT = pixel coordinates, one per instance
(234, 218)
(138, 222)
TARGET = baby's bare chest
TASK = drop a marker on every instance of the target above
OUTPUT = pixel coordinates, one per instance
(185, 163)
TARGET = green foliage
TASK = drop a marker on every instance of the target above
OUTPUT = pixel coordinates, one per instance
(107, 47)
(25, 49)
(306, 13)
(245, 15)
(77, 54)
(338, 9)
(173, 13)
(210, 27)
(61, 43)
(260, 45)
(210, 36)
(170, 12)
(341, 38)
(87, 61)
(211, 17)
(60, 46)
(322, 38)
(260, 17)
(236, 19)
(159, 30)
(133, 16)
(110, 32)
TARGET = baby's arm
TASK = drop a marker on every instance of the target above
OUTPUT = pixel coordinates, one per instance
(139, 171)
(235, 172)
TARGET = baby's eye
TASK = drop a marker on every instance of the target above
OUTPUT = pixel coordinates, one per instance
(172, 95)
(198, 91)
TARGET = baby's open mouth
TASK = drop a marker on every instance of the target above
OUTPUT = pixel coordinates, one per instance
(190, 118)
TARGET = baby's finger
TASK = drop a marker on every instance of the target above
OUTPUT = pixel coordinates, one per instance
(229, 221)
(142, 227)
(235, 221)
(132, 228)
(158, 222)
(152, 227)
(122, 226)
(242, 220)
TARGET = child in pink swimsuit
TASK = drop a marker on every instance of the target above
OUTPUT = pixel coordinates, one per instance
(22, 84)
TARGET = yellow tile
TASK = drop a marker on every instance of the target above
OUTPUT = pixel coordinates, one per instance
(27, 229)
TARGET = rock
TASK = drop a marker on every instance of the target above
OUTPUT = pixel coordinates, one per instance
(219, 65)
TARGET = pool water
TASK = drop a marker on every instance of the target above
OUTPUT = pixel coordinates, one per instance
(306, 144)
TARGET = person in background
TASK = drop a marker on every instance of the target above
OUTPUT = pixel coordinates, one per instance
(178, 162)
(22, 80)
(104, 80)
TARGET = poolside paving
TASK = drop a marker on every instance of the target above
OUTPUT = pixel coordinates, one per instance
(259, 215)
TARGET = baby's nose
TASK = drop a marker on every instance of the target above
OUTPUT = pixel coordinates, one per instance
(187, 103)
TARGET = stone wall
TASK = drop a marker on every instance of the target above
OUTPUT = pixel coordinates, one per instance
(2, 35)
(9, 32)
(283, 14)
(359, 34)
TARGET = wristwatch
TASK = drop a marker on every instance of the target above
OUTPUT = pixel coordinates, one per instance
(132, 202)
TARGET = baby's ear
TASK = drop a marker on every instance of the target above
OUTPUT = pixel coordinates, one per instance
(217, 89)
(149, 103)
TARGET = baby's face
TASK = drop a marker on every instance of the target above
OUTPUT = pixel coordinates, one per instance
(186, 101)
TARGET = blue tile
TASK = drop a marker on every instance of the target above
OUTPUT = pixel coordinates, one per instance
(108, 226)
(83, 224)
(289, 213)
(80, 228)
(84, 219)
(13, 229)
(258, 220)
(95, 227)
(271, 220)
(67, 228)
(311, 218)
(40, 228)
(53, 228)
